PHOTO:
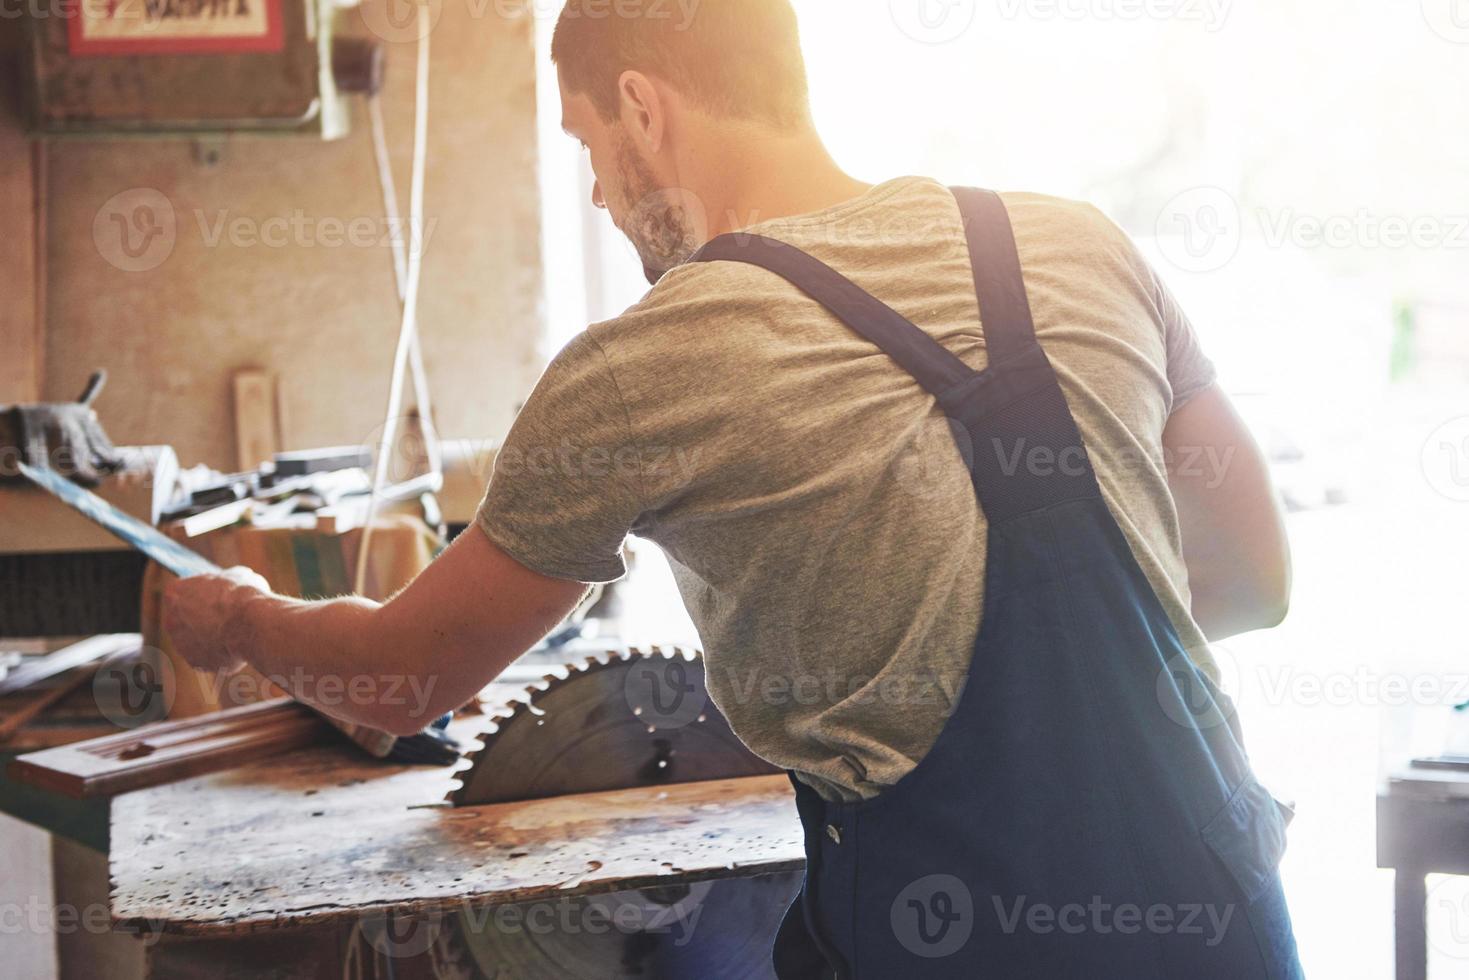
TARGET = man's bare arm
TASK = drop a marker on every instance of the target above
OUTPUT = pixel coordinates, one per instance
(1234, 540)
(426, 651)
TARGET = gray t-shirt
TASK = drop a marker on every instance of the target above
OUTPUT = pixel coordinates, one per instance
(816, 511)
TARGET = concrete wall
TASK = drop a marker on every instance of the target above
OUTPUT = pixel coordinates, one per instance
(274, 290)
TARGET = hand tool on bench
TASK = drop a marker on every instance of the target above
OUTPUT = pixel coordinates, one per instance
(431, 746)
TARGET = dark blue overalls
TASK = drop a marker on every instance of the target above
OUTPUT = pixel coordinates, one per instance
(1088, 811)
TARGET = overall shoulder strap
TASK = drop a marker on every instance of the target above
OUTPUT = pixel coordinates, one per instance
(1004, 308)
(920, 355)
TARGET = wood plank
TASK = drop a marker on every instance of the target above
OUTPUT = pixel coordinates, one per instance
(34, 670)
(171, 750)
(20, 323)
(69, 684)
(255, 428)
(330, 837)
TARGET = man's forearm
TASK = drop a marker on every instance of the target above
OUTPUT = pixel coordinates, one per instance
(340, 656)
(395, 666)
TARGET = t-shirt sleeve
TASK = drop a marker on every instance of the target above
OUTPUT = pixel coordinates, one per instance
(1190, 370)
(565, 489)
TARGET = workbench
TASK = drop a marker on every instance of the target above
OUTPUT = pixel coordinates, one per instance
(277, 860)
(1422, 829)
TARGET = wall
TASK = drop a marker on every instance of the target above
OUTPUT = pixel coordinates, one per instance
(321, 315)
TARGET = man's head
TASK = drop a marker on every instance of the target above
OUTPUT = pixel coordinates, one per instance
(652, 89)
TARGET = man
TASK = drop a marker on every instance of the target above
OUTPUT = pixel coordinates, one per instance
(830, 529)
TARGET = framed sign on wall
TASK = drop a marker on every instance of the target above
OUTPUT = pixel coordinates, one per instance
(142, 27)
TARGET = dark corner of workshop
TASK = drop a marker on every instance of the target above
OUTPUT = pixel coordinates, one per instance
(744, 489)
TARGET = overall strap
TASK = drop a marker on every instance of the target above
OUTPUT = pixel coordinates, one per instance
(1004, 308)
(920, 355)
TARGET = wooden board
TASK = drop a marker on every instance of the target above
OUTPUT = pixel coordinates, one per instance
(321, 836)
(34, 670)
(171, 750)
(255, 427)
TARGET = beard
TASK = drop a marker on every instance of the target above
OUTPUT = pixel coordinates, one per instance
(666, 225)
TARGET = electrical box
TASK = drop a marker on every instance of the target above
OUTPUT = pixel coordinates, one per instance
(185, 67)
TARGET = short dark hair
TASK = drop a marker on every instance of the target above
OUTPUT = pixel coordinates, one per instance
(732, 58)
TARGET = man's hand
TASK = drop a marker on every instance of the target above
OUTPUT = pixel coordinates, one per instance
(203, 617)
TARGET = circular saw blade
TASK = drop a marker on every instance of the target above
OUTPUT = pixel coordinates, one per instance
(620, 720)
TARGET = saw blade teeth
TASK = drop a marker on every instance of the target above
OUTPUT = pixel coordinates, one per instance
(512, 717)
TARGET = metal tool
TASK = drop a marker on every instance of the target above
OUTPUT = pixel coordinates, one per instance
(618, 720)
(432, 746)
(146, 538)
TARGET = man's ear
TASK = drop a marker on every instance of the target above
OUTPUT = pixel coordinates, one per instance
(644, 113)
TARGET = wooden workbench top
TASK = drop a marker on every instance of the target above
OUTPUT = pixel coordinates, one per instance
(323, 835)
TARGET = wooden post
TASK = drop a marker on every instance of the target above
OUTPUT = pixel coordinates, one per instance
(255, 428)
(22, 191)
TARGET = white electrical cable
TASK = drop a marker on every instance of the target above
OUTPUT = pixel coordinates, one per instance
(430, 434)
(408, 330)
